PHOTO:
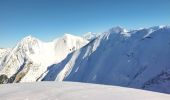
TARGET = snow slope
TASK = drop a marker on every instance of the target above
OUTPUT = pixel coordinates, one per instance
(3, 52)
(138, 59)
(74, 91)
(31, 57)
(90, 36)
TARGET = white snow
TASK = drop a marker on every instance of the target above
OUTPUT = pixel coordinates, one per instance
(90, 36)
(74, 91)
(32, 57)
(137, 58)
(3, 52)
(117, 59)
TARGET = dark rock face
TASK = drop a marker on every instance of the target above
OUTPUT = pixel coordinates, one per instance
(3, 79)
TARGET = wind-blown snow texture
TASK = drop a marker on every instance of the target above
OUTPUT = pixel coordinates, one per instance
(138, 59)
(74, 91)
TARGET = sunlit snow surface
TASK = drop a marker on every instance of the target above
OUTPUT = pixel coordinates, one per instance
(32, 56)
(138, 59)
(74, 91)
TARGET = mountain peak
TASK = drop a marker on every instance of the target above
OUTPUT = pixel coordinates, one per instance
(70, 37)
(90, 36)
(117, 29)
(29, 39)
(157, 27)
(67, 35)
(28, 43)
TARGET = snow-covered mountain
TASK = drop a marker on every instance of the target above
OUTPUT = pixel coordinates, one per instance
(31, 57)
(90, 36)
(138, 59)
(3, 52)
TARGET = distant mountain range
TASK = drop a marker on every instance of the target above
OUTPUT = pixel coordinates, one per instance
(136, 58)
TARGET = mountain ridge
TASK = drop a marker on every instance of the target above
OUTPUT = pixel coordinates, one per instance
(136, 58)
(127, 60)
(31, 57)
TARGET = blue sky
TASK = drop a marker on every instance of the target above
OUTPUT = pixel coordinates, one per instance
(48, 19)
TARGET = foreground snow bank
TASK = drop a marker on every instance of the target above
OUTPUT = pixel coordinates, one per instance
(74, 91)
